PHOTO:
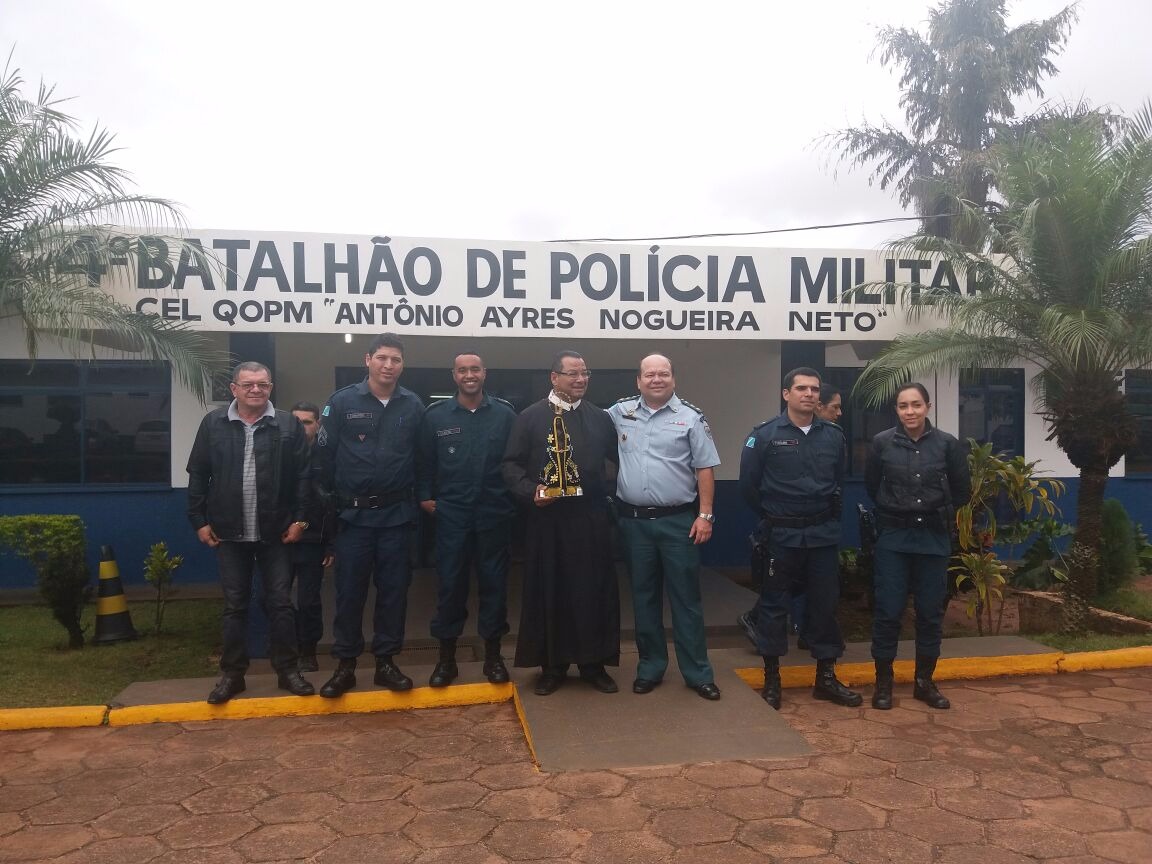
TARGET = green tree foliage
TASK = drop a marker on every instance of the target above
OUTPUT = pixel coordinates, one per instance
(60, 199)
(54, 545)
(1068, 290)
(957, 86)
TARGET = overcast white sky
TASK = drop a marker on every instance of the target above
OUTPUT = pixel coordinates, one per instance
(516, 121)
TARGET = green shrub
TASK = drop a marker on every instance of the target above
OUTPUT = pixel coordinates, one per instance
(158, 569)
(54, 545)
(1118, 554)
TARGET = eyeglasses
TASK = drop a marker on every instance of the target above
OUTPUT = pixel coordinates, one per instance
(575, 375)
(248, 387)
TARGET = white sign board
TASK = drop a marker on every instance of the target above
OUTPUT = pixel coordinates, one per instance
(339, 284)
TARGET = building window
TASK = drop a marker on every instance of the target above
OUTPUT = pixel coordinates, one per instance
(992, 409)
(1138, 388)
(860, 424)
(75, 423)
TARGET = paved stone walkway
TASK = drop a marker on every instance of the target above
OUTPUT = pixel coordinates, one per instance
(1057, 769)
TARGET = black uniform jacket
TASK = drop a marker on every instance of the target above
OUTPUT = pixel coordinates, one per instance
(787, 472)
(459, 460)
(918, 478)
(216, 475)
(369, 449)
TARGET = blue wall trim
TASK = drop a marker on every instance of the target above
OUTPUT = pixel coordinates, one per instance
(131, 521)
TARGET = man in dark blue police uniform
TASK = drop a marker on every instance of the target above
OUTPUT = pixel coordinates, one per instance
(460, 484)
(790, 474)
(367, 451)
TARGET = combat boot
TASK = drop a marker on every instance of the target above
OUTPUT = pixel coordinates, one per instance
(342, 680)
(388, 674)
(771, 691)
(828, 688)
(882, 697)
(924, 688)
(446, 670)
(494, 669)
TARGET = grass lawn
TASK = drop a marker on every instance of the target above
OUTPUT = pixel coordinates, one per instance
(1127, 601)
(40, 671)
(1091, 642)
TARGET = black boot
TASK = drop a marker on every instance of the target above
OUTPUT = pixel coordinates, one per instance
(882, 697)
(924, 688)
(828, 688)
(342, 680)
(446, 670)
(388, 675)
(771, 691)
(494, 669)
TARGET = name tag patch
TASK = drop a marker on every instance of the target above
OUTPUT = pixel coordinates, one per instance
(786, 442)
(358, 415)
(444, 433)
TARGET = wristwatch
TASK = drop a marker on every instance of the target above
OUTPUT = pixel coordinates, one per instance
(303, 525)
(707, 517)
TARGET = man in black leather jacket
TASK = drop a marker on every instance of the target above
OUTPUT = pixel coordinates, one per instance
(249, 490)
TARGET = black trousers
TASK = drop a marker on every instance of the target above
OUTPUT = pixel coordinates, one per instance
(238, 562)
(815, 572)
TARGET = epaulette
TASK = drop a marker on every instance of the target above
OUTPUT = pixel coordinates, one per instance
(625, 399)
(502, 401)
(762, 424)
(440, 400)
(688, 404)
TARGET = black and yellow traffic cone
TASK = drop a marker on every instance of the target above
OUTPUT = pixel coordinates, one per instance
(113, 623)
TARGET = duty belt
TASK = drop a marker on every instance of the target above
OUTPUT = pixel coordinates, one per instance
(916, 520)
(373, 502)
(799, 521)
(631, 511)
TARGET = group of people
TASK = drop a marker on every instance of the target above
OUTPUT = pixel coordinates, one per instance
(282, 494)
(791, 471)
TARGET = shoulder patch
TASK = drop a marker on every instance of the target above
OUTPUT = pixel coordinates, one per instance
(751, 442)
(327, 410)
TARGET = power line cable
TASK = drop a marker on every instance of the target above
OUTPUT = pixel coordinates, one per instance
(750, 233)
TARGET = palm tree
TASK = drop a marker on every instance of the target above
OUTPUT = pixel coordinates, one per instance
(59, 198)
(957, 90)
(1068, 289)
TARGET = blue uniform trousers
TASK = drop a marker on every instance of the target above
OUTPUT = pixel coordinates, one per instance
(662, 557)
(458, 548)
(380, 556)
(897, 573)
(238, 562)
(815, 572)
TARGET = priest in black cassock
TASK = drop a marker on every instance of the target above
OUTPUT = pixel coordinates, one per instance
(570, 609)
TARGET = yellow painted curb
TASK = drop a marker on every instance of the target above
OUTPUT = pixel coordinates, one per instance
(305, 706)
(947, 669)
(525, 727)
(48, 718)
(1117, 658)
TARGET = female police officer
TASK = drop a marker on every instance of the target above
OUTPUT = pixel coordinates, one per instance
(915, 474)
